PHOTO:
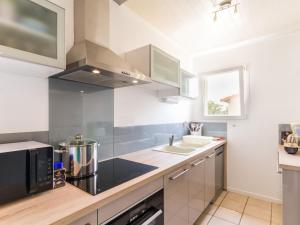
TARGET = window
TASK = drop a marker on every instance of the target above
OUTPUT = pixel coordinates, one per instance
(224, 94)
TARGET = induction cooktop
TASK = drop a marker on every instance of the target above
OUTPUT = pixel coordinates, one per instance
(111, 173)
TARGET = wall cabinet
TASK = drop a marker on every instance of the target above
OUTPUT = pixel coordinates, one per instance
(33, 30)
(196, 190)
(157, 64)
(176, 198)
(210, 188)
(189, 88)
(189, 85)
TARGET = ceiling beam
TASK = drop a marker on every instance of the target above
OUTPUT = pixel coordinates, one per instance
(120, 2)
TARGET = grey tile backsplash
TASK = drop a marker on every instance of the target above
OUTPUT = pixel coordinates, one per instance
(135, 138)
(89, 110)
(81, 108)
(214, 129)
(40, 136)
(131, 139)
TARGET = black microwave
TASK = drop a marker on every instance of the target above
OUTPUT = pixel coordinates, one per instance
(25, 168)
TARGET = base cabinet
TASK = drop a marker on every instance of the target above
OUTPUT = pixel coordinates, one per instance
(196, 190)
(291, 197)
(189, 190)
(176, 189)
(210, 188)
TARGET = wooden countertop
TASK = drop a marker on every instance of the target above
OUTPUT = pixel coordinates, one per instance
(288, 161)
(67, 204)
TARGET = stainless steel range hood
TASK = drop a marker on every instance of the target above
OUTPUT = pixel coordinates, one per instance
(92, 63)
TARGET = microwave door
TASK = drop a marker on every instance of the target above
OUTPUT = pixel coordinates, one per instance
(32, 171)
(12, 175)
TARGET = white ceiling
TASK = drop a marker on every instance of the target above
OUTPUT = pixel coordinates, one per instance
(190, 22)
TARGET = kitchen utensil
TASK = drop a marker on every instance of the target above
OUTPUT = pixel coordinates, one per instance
(80, 156)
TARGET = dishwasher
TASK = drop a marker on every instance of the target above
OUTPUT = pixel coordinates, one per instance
(219, 172)
(146, 212)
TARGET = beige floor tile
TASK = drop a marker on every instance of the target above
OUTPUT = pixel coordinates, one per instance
(203, 220)
(236, 205)
(258, 212)
(228, 215)
(223, 193)
(219, 200)
(217, 221)
(236, 197)
(211, 209)
(277, 215)
(249, 220)
(276, 207)
(259, 203)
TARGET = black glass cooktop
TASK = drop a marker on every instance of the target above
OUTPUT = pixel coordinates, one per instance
(111, 173)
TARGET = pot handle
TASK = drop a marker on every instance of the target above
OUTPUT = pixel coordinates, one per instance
(60, 151)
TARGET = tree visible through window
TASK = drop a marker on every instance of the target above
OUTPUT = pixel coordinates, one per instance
(224, 93)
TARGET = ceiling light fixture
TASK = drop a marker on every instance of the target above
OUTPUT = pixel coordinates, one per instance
(134, 81)
(221, 5)
(96, 71)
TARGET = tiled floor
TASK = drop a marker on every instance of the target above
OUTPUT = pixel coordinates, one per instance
(235, 209)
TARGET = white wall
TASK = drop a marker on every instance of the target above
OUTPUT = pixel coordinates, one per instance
(274, 86)
(24, 99)
(137, 105)
(127, 31)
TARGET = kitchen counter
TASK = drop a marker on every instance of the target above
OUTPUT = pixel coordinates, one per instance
(288, 161)
(67, 204)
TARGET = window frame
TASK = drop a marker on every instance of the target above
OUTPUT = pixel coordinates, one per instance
(243, 83)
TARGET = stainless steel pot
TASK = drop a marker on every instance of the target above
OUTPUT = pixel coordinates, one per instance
(80, 156)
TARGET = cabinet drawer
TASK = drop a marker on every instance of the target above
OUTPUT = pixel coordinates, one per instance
(110, 210)
(90, 219)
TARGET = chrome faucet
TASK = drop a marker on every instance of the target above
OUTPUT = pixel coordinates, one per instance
(171, 140)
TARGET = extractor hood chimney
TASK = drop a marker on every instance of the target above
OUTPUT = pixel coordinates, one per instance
(90, 60)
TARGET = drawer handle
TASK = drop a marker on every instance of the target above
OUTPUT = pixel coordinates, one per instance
(211, 156)
(179, 175)
(198, 163)
(152, 218)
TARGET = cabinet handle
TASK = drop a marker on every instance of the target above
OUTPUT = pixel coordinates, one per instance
(178, 175)
(198, 163)
(152, 218)
(211, 156)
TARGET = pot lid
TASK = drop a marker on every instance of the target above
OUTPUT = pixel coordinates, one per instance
(79, 140)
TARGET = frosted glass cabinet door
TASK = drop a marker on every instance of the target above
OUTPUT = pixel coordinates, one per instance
(189, 85)
(33, 30)
(164, 68)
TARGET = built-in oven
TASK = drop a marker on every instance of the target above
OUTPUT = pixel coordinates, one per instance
(146, 212)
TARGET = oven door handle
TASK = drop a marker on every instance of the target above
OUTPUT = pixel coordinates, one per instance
(153, 217)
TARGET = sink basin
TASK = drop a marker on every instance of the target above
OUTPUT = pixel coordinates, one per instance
(176, 149)
(184, 144)
(197, 140)
(187, 146)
